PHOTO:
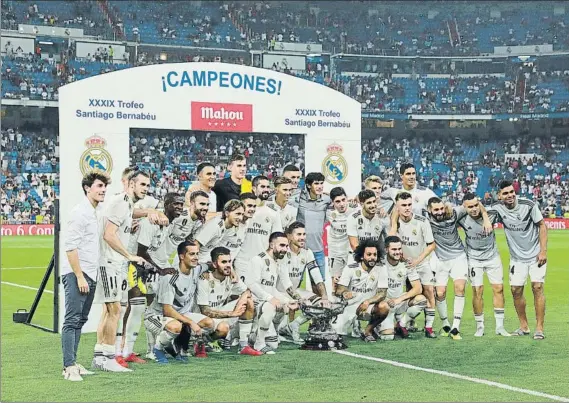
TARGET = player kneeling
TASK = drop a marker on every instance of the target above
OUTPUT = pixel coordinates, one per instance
(364, 286)
(169, 318)
(214, 299)
(403, 305)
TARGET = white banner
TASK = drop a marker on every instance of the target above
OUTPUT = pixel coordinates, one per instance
(523, 50)
(96, 115)
(299, 47)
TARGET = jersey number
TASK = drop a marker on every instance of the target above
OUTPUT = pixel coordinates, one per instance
(472, 273)
(124, 285)
(151, 277)
(243, 278)
(512, 270)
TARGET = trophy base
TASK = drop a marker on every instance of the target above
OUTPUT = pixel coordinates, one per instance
(324, 344)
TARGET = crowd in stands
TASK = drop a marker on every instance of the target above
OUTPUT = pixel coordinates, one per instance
(450, 166)
(30, 166)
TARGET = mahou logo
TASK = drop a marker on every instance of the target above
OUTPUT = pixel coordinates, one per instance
(220, 117)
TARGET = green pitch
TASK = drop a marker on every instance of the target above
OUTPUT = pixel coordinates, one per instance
(31, 359)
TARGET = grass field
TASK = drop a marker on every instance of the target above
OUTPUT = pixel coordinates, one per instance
(31, 359)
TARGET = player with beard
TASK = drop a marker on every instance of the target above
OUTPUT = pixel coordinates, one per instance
(418, 244)
(215, 301)
(262, 277)
(265, 222)
(117, 226)
(526, 234)
(206, 182)
(283, 191)
(483, 257)
(363, 285)
(405, 305)
(452, 260)
(297, 262)
(366, 223)
(220, 231)
(339, 251)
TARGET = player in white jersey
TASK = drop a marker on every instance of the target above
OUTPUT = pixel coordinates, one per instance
(262, 277)
(283, 190)
(420, 194)
(297, 262)
(339, 251)
(170, 318)
(117, 223)
(216, 299)
(294, 174)
(363, 285)
(418, 244)
(404, 306)
(221, 230)
(265, 222)
(206, 182)
(483, 257)
(366, 223)
(526, 234)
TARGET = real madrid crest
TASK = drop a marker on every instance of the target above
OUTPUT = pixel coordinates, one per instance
(335, 166)
(212, 283)
(414, 232)
(95, 156)
(358, 273)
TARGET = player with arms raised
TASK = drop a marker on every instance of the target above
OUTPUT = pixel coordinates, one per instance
(526, 234)
(483, 257)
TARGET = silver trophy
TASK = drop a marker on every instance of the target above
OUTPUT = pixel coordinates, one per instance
(321, 335)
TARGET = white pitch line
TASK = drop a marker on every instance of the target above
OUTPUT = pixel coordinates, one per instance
(457, 376)
(24, 268)
(25, 287)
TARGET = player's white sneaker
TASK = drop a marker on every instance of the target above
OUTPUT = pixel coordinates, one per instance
(479, 332)
(267, 351)
(71, 373)
(150, 355)
(111, 365)
(502, 332)
(83, 371)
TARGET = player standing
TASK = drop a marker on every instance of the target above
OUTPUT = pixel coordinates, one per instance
(213, 299)
(117, 225)
(526, 234)
(230, 188)
(265, 222)
(339, 251)
(364, 286)
(206, 182)
(283, 191)
(418, 244)
(483, 257)
(213, 232)
(366, 223)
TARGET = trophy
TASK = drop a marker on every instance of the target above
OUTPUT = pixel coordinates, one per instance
(321, 336)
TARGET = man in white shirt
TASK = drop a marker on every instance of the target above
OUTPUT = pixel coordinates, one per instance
(79, 270)
(283, 191)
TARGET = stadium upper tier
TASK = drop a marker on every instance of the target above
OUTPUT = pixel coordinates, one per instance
(351, 27)
(36, 78)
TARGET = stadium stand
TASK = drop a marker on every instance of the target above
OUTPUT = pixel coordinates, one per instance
(450, 166)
